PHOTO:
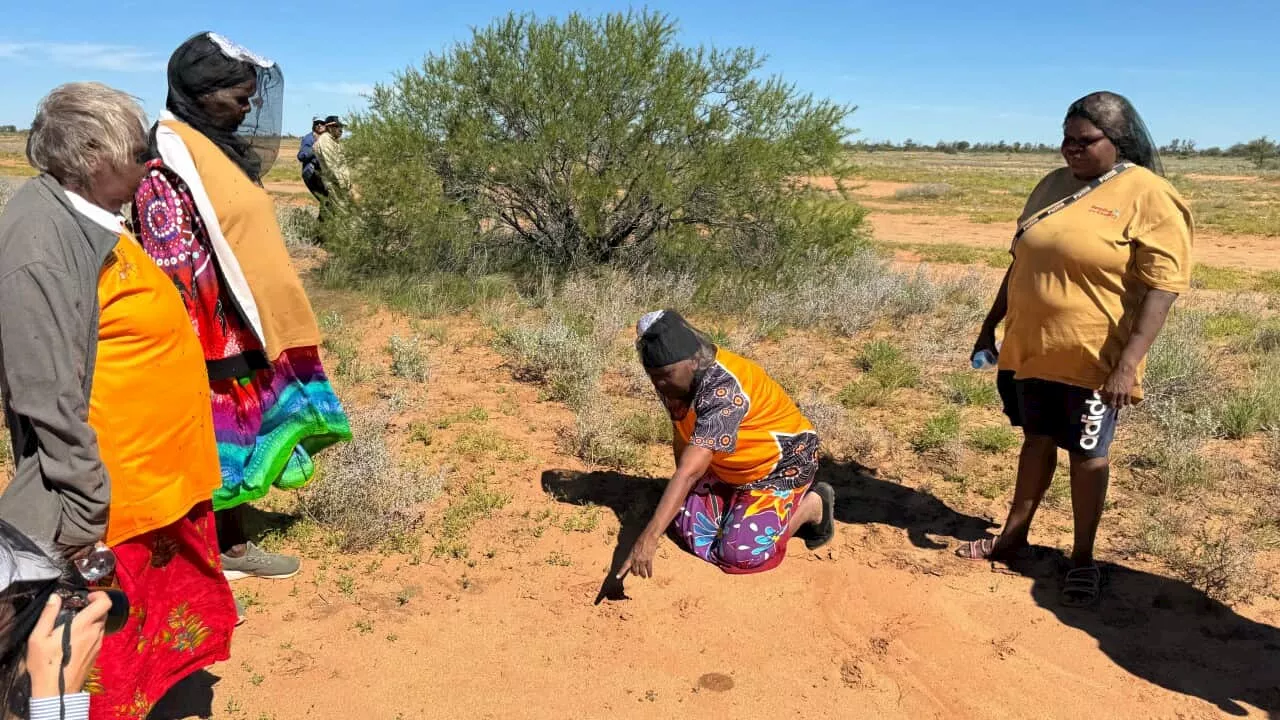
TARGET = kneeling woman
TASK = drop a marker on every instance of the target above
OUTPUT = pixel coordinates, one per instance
(745, 456)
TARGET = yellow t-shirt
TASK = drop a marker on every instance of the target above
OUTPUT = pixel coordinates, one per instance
(744, 416)
(150, 402)
(1079, 276)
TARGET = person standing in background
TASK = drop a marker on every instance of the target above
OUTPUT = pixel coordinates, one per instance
(311, 165)
(333, 166)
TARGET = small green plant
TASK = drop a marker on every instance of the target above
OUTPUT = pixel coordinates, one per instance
(421, 432)
(477, 500)
(863, 393)
(583, 520)
(475, 443)
(407, 358)
(938, 431)
(364, 627)
(970, 388)
(346, 585)
(1229, 324)
(559, 559)
(473, 415)
(350, 366)
(886, 364)
(994, 439)
(256, 679)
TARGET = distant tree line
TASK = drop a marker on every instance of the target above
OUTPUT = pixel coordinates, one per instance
(1262, 152)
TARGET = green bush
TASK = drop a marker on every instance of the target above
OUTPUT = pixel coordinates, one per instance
(994, 439)
(938, 431)
(971, 388)
(578, 141)
(887, 365)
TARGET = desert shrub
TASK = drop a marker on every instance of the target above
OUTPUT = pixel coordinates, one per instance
(1179, 373)
(600, 438)
(647, 428)
(298, 225)
(939, 431)
(864, 393)
(565, 360)
(1266, 339)
(845, 294)
(408, 359)
(971, 388)
(1271, 449)
(1252, 408)
(1221, 563)
(580, 141)
(994, 439)
(1170, 469)
(926, 191)
(363, 494)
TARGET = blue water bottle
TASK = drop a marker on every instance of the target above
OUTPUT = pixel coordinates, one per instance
(985, 359)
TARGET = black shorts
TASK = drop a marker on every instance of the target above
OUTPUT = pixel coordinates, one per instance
(1076, 418)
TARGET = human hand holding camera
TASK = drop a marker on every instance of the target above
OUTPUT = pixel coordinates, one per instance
(45, 652)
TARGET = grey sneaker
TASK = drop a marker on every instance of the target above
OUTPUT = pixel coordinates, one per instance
(259, 564)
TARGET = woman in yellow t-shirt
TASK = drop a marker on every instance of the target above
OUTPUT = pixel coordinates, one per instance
(745, 456)
(1102, 251)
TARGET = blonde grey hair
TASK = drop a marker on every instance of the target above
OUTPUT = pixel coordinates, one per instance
(80, 127)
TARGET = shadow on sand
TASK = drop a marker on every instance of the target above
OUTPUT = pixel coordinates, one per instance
(861, 498)
(1159, 629)
(1168, 633)
(192, 697)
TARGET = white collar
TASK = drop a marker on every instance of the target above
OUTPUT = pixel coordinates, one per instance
(107, 219)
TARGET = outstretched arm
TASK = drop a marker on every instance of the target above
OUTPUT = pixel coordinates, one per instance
(692, 465)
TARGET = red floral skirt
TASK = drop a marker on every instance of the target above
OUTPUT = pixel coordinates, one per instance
(181, 615)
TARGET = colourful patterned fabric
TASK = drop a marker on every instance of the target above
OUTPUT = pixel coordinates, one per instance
(269, 419)
(743, 416)
(269, 425)
(181, 615)
(744, 528)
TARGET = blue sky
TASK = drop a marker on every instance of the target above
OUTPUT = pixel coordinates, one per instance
(921, 69)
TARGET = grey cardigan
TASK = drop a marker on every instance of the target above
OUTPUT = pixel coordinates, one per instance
(50, 260)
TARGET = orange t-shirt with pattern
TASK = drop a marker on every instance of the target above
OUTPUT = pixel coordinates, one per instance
(744, 417)
(150, 402)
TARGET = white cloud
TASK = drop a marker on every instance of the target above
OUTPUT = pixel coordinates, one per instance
(342, 88)
(91, 56)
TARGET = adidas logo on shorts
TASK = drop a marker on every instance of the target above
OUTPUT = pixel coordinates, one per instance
(1096, 411)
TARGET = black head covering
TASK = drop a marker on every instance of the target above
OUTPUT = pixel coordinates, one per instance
(667, 340)
(206, 63)
(1116, 117)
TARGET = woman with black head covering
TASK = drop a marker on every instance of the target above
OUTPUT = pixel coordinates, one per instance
(746, 457)
(203, 215)
(1102, 250)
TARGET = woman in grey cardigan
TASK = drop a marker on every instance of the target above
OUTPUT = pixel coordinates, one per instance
(107, 398)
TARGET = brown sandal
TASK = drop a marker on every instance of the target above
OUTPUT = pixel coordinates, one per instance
(984, 549)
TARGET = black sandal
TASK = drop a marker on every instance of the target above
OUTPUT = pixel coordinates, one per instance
(815, 536)
(1082, 587)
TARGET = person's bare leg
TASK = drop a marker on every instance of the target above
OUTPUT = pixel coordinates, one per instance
(810, 511)
(1089, 480)
(1036, 465)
